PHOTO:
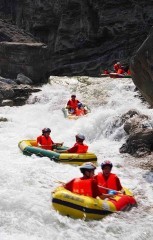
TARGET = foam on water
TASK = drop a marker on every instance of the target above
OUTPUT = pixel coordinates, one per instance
(27, 182)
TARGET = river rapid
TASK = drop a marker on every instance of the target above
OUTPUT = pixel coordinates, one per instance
(27, 182)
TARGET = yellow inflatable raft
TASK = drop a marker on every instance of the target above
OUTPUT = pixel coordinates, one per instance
(68, 115)
(29, 147)
(83, 207)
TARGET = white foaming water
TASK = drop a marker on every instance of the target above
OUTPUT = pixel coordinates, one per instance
(27, 182)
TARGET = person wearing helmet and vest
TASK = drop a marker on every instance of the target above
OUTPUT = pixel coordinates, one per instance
(44, 141)
(106, 179)
(85, 185)
(80, 110)
(72, 104)
(79, 146)
(121, 70)
(117, 66)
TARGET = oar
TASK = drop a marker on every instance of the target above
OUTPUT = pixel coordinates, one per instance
(57, 181)
(55, 144)
(109, 189)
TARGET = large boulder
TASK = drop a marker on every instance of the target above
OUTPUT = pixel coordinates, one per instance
(140, 130)
(142, 68)
(27, 58)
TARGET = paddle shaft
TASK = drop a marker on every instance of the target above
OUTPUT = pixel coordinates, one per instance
(109, 189)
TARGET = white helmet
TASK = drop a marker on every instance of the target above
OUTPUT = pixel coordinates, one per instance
(80, 136)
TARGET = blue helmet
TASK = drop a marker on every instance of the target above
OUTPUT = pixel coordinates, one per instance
(106, 163)
(79, 104)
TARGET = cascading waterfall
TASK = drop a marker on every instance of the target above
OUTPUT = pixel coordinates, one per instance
(27, 182)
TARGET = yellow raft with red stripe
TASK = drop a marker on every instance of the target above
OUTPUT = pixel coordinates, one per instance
(84, 207)
(29, 147)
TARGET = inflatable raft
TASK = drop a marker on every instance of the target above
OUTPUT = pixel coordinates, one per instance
(69, 115)
(29, 147)
(83, 207)
(116, 75)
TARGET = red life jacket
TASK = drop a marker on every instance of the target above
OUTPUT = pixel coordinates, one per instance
(106, 72)
(45, 142)
(73, 104)
(116, 67)
(79, 111)
(129, 72)
(109, 183)
(83, 187)
(82, 148)
(120, 71)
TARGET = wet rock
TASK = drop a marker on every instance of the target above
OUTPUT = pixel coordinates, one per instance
(142, 68)
(15, 95)
(134, 121)
(7, 103)
(6, 91)
(139, 144)
(3, 119)
(139, 128)
(22, 79)
(8, 81)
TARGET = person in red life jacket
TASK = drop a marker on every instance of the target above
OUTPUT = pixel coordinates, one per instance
(79, 146)
(129, 72)
(85, 185)
(106, 179)
(105, 71)
(117, 66)
(121, 70)
(80, 110)
(44, 141)
(72, 104)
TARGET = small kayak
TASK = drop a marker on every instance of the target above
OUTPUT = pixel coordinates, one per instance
(69, 115)
(84, 207)
(30, 147)
(116, 75)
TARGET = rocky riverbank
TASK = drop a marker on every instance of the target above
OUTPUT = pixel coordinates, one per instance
(16, 92)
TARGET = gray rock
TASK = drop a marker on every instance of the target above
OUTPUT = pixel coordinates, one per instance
(139, 144)
(140, 140)
(22, 79)
(7, 102)
(142, 68)
(15, 95)
(81, 37)
(3, 119)
(8, 81)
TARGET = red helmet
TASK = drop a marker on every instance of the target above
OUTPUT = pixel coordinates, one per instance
(45, 130)
(106, 163)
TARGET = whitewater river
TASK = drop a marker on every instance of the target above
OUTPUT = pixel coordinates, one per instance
(26, 182)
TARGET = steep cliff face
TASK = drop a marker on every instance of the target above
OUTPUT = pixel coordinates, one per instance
(142, 68)
(83, 36)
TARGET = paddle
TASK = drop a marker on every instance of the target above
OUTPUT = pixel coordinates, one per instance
(109, 189)
(54, 145)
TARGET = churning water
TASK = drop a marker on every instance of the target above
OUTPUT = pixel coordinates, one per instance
(27, 182)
